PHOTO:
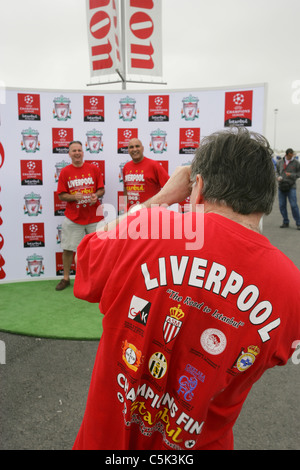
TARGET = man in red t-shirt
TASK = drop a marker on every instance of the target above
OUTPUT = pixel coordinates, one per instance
(190, 323)
(80, 185)
(142, 177)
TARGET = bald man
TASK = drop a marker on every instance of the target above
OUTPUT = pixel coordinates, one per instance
(143, 177)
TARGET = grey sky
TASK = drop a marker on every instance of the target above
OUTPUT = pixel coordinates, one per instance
(205, 44)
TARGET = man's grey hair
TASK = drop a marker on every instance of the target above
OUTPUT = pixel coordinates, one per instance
(237, 170)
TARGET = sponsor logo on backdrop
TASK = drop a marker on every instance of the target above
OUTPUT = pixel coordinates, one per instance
(29, 108)
(35, 265)
(238, 108)
(2, 155)
(32, 206)
(2, 262)
(190, 108)
(93, 108)
(59, 206)
(189, 140)
(33, 235)
(30, 140)
(58, 235)
(121, 167)
(58, 167)
(122, 203)
(127, 111)
(99, 164)
(31, 173)
(124, 136)
(62, 108)
(158, 143)
(60, 267)
(94, 143)
(61, 138)
(159, 108)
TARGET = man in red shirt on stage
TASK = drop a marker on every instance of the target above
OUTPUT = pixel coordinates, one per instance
(197, 305)
(142, 177)
(80, 185)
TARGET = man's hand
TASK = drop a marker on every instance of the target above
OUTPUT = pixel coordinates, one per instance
(78, 196)
(176, 189)
(94, 199)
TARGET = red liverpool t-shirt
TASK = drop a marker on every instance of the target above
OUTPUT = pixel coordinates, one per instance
(186, 330)
(143, 180)
(87, 179)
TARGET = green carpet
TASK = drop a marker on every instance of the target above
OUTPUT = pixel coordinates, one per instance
(36, 309)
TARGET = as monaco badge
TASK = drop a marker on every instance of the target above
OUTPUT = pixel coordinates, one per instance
(173, 324)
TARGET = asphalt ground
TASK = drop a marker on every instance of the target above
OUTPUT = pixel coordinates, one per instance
(44, 385)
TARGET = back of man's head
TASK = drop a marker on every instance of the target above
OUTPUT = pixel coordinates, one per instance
(237, 170)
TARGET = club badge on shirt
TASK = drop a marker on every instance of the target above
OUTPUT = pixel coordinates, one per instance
(172, 324)
(131, 356)
(247, 359)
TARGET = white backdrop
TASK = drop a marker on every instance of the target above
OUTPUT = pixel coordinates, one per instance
(37, 125)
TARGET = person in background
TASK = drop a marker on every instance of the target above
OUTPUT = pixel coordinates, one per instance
(190, 323)
(288, 170)
(80, 185)
(142, 176)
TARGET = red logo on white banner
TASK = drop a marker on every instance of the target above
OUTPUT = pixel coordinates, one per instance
(103, 37)
(159, 108)
(238, 108)
(29, 107)
(61, 139)
(189, 140)
(124, 136)
(93, 108)
(143, 38)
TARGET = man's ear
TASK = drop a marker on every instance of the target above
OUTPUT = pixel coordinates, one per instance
(199, 190)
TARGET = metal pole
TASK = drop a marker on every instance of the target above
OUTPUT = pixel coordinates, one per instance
(275, 127)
